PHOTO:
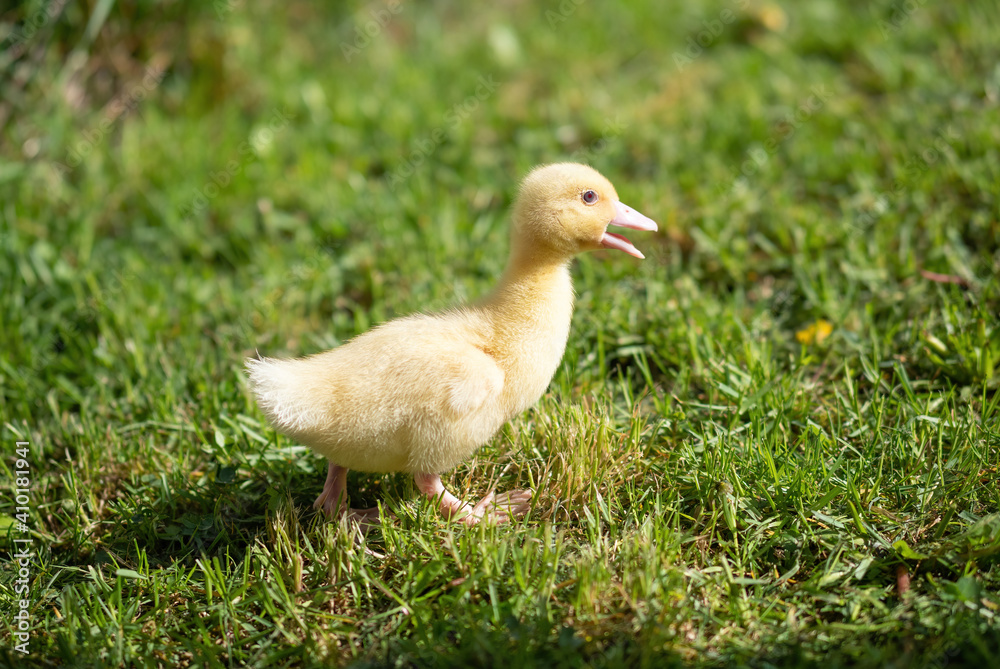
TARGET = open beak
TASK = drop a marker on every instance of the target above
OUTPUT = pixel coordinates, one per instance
(626, 217)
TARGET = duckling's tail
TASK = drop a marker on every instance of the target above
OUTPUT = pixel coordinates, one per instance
(282, 395)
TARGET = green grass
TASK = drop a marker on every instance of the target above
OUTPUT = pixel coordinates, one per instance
(712, 491)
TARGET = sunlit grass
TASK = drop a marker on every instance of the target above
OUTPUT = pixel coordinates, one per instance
(774, 442)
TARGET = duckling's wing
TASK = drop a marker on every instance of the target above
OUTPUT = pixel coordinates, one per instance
(471, 378)
(431, 365)
(426, 380)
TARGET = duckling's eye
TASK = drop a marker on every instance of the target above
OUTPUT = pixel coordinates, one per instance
(589, 197)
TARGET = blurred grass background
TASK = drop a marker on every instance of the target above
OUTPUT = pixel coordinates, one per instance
(774, 442)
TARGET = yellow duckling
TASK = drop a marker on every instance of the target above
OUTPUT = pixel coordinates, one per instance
(420, 393)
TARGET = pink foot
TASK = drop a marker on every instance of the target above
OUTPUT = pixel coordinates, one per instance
(491, 508)
(333, 500)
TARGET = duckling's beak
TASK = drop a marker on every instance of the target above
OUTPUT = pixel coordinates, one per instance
(626, 217)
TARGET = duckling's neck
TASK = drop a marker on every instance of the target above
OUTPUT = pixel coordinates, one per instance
(529, 314)
(534, 289)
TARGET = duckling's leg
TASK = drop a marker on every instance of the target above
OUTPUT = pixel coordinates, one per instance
(334, 491)
(497, 509)
(333, 499)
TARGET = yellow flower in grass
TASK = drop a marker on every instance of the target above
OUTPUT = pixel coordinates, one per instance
(815, 333)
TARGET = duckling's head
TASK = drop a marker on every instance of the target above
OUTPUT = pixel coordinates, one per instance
(566, 208)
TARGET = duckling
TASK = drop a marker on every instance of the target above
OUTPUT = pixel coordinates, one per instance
(421, 393)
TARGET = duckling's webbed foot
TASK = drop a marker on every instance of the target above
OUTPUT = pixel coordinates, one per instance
(510, 504)
(491, 508)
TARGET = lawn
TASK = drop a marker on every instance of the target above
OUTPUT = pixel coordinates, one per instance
(775, 442)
